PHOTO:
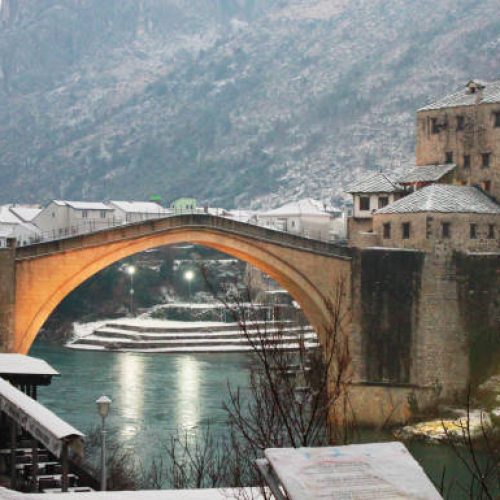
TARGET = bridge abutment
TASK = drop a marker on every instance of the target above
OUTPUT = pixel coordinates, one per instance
(7, 295)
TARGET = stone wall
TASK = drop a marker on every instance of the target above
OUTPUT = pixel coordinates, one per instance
(479, 135)
(478, 280)
(425, 325)
(390, 293)
(7, 295)
(427, 231)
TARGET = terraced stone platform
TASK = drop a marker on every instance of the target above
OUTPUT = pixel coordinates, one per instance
(183, 336)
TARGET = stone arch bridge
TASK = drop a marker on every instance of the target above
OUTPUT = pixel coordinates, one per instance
(403, 310)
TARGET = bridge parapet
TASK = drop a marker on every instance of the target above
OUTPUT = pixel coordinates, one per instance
(171, 223)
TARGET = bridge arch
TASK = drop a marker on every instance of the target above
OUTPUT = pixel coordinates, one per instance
(47, 273)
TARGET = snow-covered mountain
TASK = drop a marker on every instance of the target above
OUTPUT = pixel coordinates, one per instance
(235, 102)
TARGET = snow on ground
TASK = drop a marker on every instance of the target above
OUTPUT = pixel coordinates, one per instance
(190, 349)
(204, 494)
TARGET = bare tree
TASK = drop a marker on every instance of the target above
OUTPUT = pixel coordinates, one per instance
(296, 396)
(480, 456)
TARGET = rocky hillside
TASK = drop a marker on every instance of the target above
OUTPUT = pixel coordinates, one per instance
(237, 102)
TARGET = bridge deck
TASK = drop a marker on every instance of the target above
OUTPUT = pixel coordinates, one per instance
(200, 222)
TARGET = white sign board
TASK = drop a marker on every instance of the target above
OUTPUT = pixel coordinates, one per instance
(381, 471)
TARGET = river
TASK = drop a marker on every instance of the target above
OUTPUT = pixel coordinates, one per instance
(155, 394)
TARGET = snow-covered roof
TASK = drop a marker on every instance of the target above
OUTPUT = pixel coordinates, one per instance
(27, 214)
(446, 199)
(240, 215)
(19, 364)
(83, 205)
(375, 183)
(426, 173)
(7, 216)
(36, 418)
(142, 207)
(475, 92)
(9, 219)
(307, 206)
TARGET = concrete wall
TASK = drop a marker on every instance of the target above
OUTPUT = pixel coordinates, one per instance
(61, 220)
(321, 227)
(479, 136)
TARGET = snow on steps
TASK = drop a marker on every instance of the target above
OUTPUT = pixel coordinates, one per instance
(176, 336)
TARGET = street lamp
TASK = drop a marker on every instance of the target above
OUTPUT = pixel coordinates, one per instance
(103, 404)
(189, 277)
(131, 271)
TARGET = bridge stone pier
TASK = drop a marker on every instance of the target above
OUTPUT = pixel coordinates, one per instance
(401, 309)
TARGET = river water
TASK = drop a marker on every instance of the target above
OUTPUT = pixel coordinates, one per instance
(155, 394)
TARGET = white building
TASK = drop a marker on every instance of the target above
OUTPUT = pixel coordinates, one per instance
(307, 217)
(66, 218)
(12, 225)
(137, 211)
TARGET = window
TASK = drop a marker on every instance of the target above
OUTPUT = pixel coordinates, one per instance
(496, 114)
(491, 231)
(487, 186)
(364, 203)
(460, 122)
(473, 231)
(448, 157)
(405, 228)
(53, 214)
(103, 214)
(467, 161)
(446, 230)
(85, 214)
(383, 201)
(387, 230)
(486, 157)
(434, 126)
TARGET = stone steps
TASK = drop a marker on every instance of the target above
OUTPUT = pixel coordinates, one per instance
(192, 338)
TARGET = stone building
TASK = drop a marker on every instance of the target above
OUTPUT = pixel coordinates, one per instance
(460, 218)
(369, 194)
(464, 129)
(429, 315)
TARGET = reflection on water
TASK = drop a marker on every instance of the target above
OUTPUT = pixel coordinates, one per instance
(131, 393)
(188, 390)
(153, 394)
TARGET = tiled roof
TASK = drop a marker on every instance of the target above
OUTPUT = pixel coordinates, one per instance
(444, 198)
(426, 173)
(375, 183)
(464, 97)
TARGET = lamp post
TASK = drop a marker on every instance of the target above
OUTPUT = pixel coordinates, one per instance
(103, 404)
(189, 276)
(131, 271)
